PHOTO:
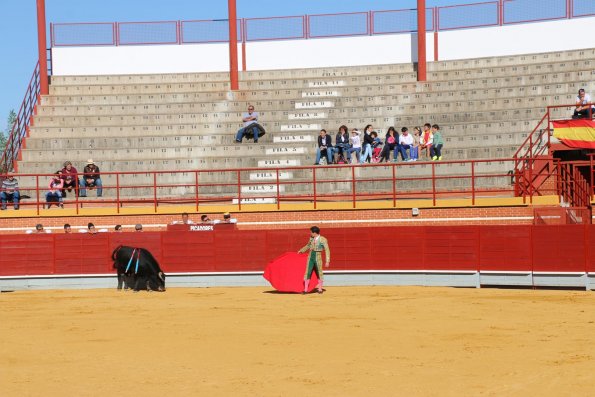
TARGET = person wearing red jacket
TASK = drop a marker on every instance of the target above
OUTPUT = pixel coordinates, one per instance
(70, 178)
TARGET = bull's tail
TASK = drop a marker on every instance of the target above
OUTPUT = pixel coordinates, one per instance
(115, 252)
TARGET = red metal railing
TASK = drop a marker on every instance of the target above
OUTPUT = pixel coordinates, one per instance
(573, 187)
(460, 16)
(20, 128)
(533, 164)
(393, 182)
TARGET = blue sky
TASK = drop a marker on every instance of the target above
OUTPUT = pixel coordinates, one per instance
(18, 30)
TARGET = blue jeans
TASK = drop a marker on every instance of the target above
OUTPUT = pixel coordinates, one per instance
(403, 150)
(14, 196)
(366, 153)
(83, 185)
(357, 151)
(329, 154)
(414, 152)
(57, 194)
(246, 131)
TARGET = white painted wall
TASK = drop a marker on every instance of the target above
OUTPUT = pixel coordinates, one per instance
(292, 54)
(563, 35)
(147, 59)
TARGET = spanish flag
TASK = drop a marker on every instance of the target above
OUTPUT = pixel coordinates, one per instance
(575, 133)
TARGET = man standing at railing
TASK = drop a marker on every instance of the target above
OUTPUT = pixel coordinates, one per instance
(584, 109)
(91, 178)
(10, 191)
(251, 125)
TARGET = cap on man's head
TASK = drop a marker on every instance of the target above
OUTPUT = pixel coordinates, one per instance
(90, 161)
(39, 226)
(226, 215)
(138, 226)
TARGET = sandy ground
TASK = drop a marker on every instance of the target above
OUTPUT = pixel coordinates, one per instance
(364, 341)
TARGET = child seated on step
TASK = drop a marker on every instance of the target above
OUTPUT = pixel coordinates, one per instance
(376, 147)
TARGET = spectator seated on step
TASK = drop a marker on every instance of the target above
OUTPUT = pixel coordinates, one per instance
(366, 144)
(391, 143)
(584, 107)
(414, 151)
(426, 139)
(356, 146)
(324, 147)
(436, 149)
(10, 191)
(341, 145)
(376, 147)
(54, 194)
(405, 144)
(91, 179)
(69, 175)
(251, 127)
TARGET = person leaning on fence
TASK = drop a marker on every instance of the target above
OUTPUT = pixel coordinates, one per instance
(584, 108)
(251, 127)
(10, 191)
(91, 179)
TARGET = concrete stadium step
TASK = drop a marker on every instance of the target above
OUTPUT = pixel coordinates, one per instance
(281, 139)
(282, 74)
(212, 163)
(269, 80)
(441, 113)
(524, 59)
(402, 99)
(422, 92)
(226, 132)
(164, 78)
(488, 79)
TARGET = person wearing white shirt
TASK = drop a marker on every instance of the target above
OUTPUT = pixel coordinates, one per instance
(405, 143)
(356, 145)
(584, 107)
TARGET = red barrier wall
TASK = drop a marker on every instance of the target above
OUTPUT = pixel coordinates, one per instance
(545, 248)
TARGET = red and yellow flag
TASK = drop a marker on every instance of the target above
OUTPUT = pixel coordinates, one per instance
(575, 133)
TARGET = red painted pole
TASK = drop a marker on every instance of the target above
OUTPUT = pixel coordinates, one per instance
(233, 45)
(44, 87)
(421, 40)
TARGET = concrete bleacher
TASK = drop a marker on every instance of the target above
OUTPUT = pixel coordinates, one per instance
(485, 108)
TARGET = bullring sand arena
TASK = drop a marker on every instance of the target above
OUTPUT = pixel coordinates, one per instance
(350, 341)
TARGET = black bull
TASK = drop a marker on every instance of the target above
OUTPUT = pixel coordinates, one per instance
(146, 275)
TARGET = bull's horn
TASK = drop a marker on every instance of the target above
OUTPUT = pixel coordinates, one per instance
(161, 276)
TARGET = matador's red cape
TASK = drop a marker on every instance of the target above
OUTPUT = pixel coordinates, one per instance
(286, 273)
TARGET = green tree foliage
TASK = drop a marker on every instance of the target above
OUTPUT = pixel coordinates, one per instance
(12, 116)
